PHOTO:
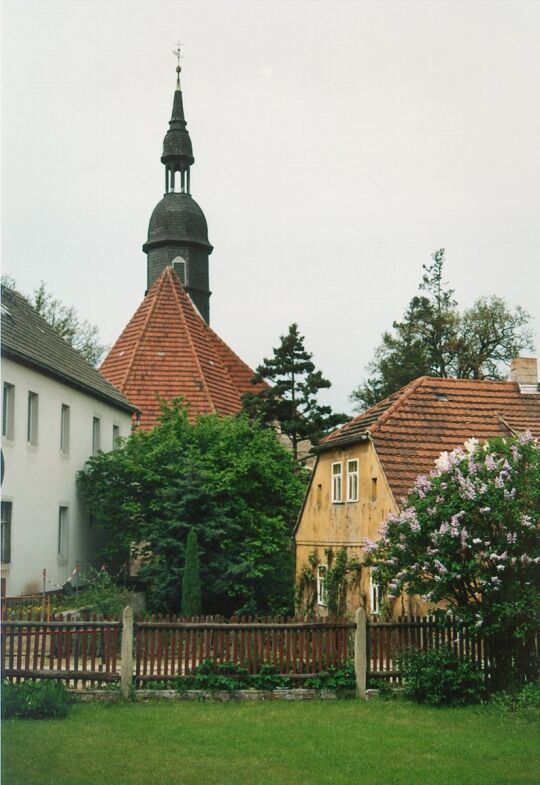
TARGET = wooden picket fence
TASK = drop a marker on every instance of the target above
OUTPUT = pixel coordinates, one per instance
(81, 653)
(298, 648)
(386, 640)
(88, 653)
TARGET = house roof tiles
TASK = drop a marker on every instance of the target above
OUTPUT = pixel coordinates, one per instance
(29, 339)
(414, 425)
(167, 351)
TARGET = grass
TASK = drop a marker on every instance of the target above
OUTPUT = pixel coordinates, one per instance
(321, 743)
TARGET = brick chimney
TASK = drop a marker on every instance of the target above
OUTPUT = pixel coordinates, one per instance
(524, 371)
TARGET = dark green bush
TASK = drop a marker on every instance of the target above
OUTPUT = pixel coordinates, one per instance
(525, 702)
(440, 677)
(338, 679)
(230, 676)
(35, 700)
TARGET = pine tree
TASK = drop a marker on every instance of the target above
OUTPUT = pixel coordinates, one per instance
(291, 401)
(191, 581)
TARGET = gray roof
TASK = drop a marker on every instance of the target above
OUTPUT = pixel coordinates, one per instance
(27, 338)
(179, 218)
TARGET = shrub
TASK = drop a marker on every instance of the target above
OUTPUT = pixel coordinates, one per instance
(526, 702)
(35, 700)
(440, 677)
(338, 679)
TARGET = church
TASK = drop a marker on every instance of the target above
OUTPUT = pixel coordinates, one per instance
(168, 349)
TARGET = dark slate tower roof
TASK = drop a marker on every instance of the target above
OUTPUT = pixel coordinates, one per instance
(177, 233)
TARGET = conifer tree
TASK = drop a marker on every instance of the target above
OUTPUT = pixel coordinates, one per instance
(291, 401)
(191, 581)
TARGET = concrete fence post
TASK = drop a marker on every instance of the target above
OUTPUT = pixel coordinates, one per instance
(126, 657)
(360, 653)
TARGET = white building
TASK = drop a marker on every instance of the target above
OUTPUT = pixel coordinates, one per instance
(57, 410)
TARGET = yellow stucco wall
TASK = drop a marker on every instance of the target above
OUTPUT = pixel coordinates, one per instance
(325, 524)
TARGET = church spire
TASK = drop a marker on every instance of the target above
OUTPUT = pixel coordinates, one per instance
(177, 151)
(177, 232)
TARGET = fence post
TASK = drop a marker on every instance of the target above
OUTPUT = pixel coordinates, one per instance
(126, 657)
(360, 653)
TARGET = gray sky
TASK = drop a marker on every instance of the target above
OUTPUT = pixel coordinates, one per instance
(337, 145)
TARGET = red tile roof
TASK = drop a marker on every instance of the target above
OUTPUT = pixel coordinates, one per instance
(168, 350)
(414, 425)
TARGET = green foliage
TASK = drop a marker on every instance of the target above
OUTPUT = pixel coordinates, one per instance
(291, 401)
(469, 536)
(525, 702)
(99, 594)
(440, 677)
(227, 478)
(35, 700)
(342, 574)
(83, 336)
(434, 338)
(191, 580)
(228, 676)
(338, 679)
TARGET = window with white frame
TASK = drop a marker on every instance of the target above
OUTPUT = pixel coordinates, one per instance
(179, 267)
(337, 491)
(32, 423)
(5, 532)
(321, 585)
(8, 411)
(375, 595)
(352, 480)
(115, 437)
(64, 428)
(96, 435)
(63, 533)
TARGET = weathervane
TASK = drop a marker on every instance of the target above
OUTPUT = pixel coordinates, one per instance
(178, 55)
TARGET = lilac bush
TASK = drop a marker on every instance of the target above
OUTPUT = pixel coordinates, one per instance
(468, 537)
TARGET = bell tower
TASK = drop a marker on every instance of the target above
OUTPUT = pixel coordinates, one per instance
(177, 232)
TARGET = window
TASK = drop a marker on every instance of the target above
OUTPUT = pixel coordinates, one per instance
(376, 596)
(96, 435)
(373, 489)
(336, 482)
(32, 427)
(8, 411)
(321, 585)
(64, 428)
(352, 481)
(115, 437)
(62, 533)
(6, 532)
(179, 267)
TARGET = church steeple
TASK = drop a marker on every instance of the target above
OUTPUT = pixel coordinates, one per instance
(177, 151)
(177, 233)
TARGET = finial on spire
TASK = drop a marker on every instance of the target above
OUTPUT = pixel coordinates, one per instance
(178, 55)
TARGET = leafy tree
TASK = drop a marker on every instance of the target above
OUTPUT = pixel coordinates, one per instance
(81, 334)
(291, 401)
(225, 477)
(434, 339)
(191, 581)
(469, 537)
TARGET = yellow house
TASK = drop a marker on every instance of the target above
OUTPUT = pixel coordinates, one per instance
(365, 468)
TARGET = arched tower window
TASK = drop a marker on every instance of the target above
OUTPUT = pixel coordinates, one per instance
(179, 266)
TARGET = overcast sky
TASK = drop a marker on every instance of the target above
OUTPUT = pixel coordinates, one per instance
(337, 145)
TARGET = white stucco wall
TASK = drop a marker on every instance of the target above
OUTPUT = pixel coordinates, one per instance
(39, 480)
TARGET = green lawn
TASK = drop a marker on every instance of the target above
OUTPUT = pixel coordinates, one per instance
(310, 743)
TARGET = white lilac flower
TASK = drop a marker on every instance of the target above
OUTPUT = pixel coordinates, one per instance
(471, 445)
(509, 494)
(485, 510)
(439, 566)
(526, 437)
(477, 541)
(501, 567)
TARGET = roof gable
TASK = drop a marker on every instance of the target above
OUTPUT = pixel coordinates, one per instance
(167, 351)
(412, 427)
(29, 339)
